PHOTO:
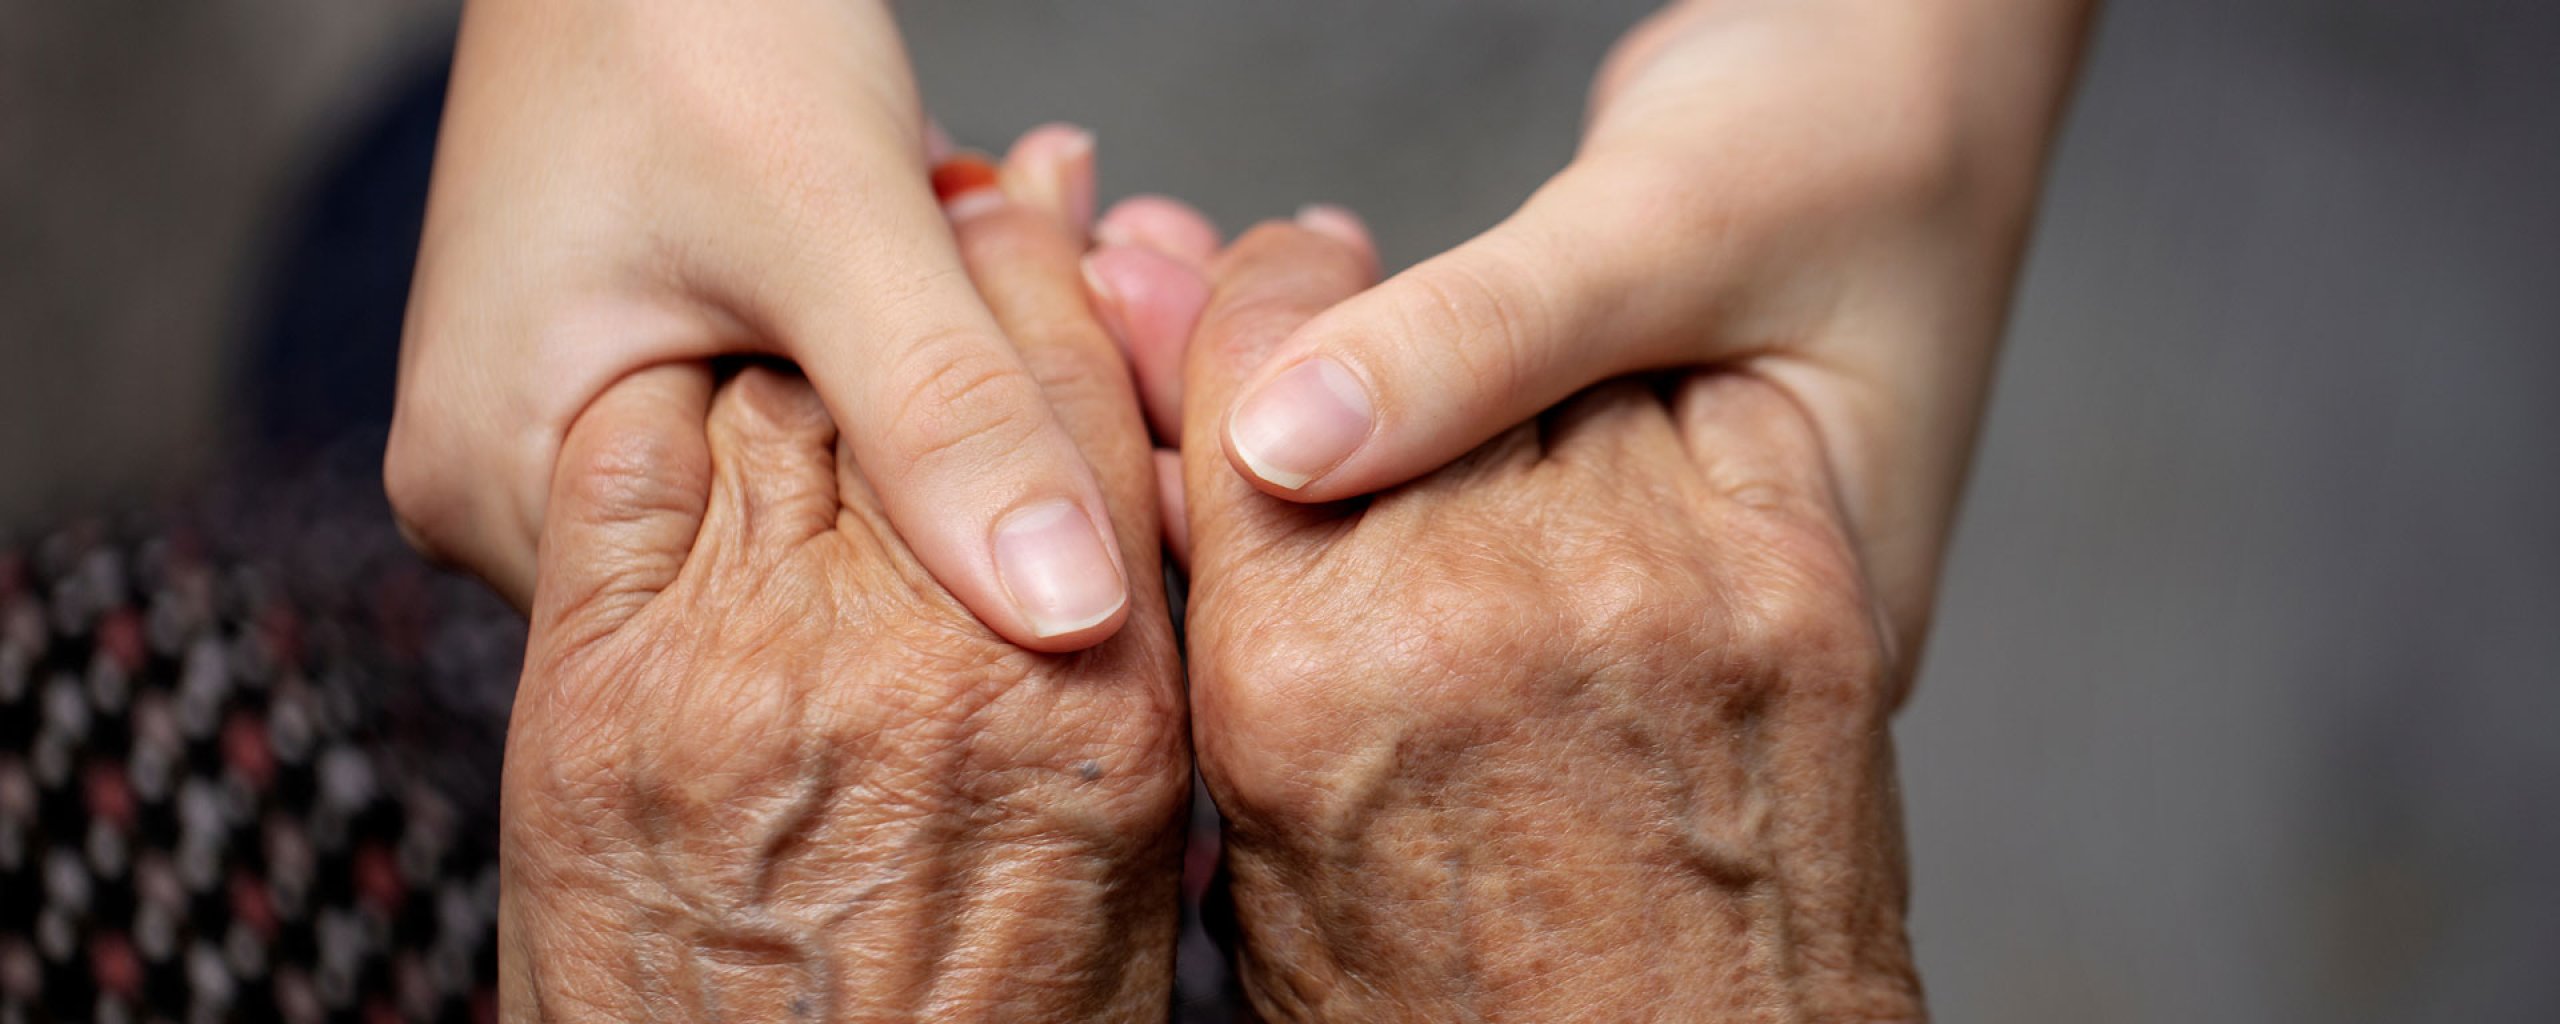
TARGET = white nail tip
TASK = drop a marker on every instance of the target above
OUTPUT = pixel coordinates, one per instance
(974, 203)
(1049, 630)
(1273, 475)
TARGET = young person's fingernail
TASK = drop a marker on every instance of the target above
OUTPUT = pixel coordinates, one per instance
(1302, 423)
(1334, 222)
(967, 185)
(1057, 569)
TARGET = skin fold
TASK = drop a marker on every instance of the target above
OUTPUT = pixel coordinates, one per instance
(1589, 725)
(763, 767)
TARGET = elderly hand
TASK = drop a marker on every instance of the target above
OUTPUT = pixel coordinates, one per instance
(1589, 725)
(626, 185)
(1831, 196)
(764, 767)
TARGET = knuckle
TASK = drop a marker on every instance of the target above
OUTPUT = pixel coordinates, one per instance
(1294, 720)
(1278, 721)
(916, 296)
(1804, 620)
(968, 403)
(1072, 359)
(1481, 314)
(1632, 598)
(629, 476)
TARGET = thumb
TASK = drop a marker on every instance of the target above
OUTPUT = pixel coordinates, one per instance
(1586, 282)
(945, 419)
(1263, 288)
(628, 493)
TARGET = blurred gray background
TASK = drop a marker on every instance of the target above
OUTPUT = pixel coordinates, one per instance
(2243, 698)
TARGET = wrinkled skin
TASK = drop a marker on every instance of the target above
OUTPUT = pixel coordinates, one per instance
(1590, 725)
(764, 768)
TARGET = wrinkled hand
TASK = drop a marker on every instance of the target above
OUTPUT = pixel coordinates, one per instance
(1590, 725)
(764, 767)
(1829, 195)
(626, 185)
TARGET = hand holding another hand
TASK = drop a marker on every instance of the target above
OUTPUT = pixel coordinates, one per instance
(764, 767)
(622, 186)
(1531, 687)
(1589, 725)
(1831, 196)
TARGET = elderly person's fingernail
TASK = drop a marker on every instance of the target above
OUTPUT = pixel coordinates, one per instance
(1052, 168)
(1302, 423)
(1335, 223)
(1164, 225)
(1057, 569)
(968, 185)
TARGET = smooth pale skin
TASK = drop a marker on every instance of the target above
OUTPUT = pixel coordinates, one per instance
(764, 767)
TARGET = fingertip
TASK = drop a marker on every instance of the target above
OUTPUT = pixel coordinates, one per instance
(1295, 427)
(1416, 372)
(1341, 225)
(1062, 575)
(1151, 303)
(1051, 167)
(1163, 224)
(1265, 289)
(1033, 557)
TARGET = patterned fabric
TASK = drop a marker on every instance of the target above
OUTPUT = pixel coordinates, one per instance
(232, 786)
(248, 770)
